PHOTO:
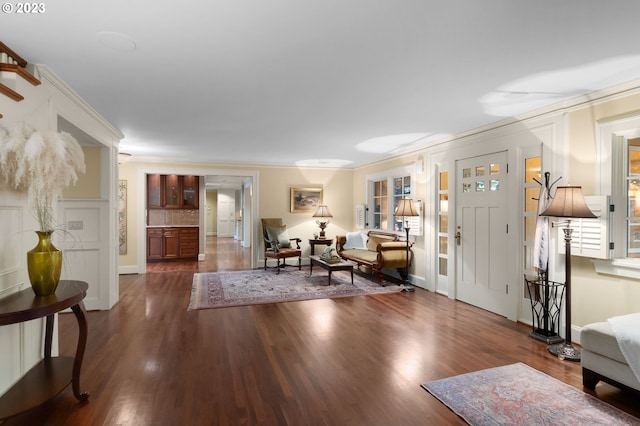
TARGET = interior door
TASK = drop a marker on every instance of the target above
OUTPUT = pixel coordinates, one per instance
(226, 212)
(481, 232)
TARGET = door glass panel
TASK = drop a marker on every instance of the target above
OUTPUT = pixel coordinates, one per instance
(494, 169)
(443, 245)
(495, 184)
(442, 266)
(532, 169)
(480, 171)
(444, 181)
(480, 186)
(531, 196)
(466, 187)
(444, 223)
(530, 228)
(444, 203)
(466, 173)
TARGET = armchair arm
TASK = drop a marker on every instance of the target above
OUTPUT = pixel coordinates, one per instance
(297, 240)
(393, 245)
(393, 254)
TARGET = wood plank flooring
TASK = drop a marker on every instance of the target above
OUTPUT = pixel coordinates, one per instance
(347, 361)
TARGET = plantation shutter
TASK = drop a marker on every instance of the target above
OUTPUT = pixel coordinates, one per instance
(590, 237)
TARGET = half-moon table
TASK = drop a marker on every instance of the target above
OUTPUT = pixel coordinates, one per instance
(52, 374)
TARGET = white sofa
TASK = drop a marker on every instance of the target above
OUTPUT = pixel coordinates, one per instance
(602, 359)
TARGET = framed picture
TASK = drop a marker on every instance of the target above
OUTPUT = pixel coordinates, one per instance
(305, 199)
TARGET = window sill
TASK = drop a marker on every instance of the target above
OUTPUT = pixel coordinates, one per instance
(620, 267)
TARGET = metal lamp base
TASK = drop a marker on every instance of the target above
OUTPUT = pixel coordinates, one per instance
(565, 351)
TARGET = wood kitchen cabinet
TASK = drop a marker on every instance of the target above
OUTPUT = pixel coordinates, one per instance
(172, 243)
(173, 192)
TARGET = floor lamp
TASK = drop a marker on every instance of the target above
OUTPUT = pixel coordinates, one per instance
(406, 208)
(569, 203)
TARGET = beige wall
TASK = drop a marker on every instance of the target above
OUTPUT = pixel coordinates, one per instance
(596, 297)
(274, 200)
(88, 185)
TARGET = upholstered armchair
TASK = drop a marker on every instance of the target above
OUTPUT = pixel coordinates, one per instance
(278, 245)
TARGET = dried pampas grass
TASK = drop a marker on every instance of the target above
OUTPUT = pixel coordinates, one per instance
(43, 164)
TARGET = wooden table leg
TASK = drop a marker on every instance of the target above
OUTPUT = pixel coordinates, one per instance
(79, 312)
(48, 335)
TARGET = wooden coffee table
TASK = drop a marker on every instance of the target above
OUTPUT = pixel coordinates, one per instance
(331, 267)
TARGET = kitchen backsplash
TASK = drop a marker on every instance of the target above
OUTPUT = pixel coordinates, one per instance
(173, 217)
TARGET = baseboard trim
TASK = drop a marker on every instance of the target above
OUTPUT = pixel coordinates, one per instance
(127, 270)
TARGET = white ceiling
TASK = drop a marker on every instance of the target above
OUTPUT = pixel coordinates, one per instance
(284, 81)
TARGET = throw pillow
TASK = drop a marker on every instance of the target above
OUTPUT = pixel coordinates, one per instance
(355, 240)
(373, 242)
(280, 235)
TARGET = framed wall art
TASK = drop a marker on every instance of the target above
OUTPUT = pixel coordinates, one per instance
(305, 199)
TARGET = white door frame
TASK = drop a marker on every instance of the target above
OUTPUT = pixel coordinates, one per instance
(143, 170)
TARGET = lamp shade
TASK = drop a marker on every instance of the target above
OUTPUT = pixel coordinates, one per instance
(568, 202)
(322, 211)
(406, 207)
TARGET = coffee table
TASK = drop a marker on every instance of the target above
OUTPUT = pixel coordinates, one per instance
(343, 265)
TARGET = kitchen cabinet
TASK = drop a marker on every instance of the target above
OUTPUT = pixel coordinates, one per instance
(190, 190)
(154, 191)
(172, 192)
(172, 243)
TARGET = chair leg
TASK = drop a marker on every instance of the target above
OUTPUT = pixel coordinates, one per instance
(278, 266)
(299, 263)
(265, 263)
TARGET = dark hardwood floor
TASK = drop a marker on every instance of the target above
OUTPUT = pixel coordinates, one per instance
(346, 361)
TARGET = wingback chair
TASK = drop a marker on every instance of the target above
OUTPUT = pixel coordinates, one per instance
(278, 245)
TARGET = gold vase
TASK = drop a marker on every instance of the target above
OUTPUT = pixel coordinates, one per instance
(44, 263)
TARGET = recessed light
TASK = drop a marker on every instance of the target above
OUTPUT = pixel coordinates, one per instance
(116, 41)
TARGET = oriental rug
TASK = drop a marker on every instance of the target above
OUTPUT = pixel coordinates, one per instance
(257, 286)
(517, 394)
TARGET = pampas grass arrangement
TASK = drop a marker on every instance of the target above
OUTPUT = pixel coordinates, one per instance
(43, 164)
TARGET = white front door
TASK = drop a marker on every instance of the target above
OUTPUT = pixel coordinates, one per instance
(481, 232)
(226, 212)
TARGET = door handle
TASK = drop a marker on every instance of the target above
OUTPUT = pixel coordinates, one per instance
(458, 235)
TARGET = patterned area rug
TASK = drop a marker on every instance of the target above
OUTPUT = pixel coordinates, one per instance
(222, 289)
(518, 394)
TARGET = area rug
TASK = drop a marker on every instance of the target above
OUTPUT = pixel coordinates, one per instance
(517, 394)
(236, 288)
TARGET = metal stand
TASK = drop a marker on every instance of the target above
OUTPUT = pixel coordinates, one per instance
(406, 286)
(546, 302)
(566, 350)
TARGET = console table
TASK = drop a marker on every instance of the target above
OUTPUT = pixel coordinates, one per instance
(52, 374)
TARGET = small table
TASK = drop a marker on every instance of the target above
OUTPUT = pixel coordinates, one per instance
(319, 241)
(54, 373)
(331, 267)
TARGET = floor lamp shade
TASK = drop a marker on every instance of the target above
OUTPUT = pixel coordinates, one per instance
(406, 207)
(568, 202)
